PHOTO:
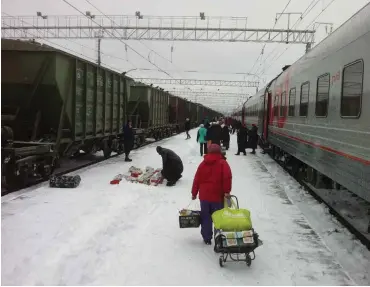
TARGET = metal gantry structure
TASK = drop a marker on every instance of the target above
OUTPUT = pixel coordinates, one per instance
(208, 94)
(158, 28)
(195, 82)
(163, 28)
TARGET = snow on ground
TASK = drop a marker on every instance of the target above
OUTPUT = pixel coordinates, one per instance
(99, 234)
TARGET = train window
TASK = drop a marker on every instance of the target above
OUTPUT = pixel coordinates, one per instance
(291, 102)
(352, 89)
(305, 93)
(322, 95)
(276, 106)
(283, 104)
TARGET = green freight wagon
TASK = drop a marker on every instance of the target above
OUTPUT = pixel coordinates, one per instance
(55, 104)
(193, 114)
(149, 110)
(200, 114)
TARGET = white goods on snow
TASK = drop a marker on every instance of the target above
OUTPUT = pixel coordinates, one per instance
(128, 233)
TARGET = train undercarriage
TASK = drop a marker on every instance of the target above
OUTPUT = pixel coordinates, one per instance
(23, 162)
(336, 196)
(300, 170)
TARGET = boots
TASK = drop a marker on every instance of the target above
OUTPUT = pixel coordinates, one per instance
(127, 159)
(170, 183)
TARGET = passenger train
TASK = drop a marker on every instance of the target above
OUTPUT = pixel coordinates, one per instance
(316, 113)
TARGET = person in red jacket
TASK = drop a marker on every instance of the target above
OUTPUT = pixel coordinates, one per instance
(213, 183)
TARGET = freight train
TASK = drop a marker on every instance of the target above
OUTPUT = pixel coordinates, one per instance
(55, 105)
(315, 115)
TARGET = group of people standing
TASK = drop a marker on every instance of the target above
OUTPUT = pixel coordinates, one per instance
(247, 139)
(219, 133)
(213, 133)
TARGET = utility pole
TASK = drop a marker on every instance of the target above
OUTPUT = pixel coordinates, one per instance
(98, 51)
(289, 14)
(316, 25)
(98, 34)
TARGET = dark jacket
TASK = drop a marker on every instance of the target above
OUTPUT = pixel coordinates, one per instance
(214, 134)
(128, 134)
(171, 161)
(225, 134)
(253, 137)
(241, 135)
(187, 125)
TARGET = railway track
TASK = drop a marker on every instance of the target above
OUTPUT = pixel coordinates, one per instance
(351, 224)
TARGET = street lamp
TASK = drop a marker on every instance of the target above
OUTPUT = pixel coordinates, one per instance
(138, 15)
(39, 14)
(88, 14)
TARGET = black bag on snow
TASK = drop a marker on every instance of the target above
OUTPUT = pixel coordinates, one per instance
(65, 181)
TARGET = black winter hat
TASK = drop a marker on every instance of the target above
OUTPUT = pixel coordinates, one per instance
(159, 149)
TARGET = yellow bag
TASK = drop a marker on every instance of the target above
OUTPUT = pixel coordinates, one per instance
(232, 219)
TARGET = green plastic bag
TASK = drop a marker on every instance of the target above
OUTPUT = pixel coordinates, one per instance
(232, 219)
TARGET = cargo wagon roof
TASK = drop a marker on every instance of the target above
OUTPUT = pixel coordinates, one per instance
(30, 45)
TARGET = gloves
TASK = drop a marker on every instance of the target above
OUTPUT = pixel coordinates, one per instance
(193, 197)
(227, 195)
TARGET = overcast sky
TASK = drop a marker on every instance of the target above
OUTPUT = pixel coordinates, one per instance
(214, 60)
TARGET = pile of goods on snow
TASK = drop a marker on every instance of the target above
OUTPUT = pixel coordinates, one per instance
(149, 176)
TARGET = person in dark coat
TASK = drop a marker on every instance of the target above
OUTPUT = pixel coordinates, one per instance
(128, 139)
(253, 138)
(226, 137)
(187, 128)
(207, 125)
(172, 165)
(241, 139)
(214, 134)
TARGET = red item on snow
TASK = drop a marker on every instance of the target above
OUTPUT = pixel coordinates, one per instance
(212, 179)
(117, 179)
(156, 178)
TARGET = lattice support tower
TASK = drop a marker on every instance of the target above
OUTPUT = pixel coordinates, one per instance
(210, 29)
(195, 82)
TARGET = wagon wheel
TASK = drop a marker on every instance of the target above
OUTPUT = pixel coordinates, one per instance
(221, 261)
(248, 260)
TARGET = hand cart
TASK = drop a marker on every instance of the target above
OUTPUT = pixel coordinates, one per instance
(241, 252)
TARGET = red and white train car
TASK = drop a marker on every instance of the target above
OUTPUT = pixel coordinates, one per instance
(316, 113)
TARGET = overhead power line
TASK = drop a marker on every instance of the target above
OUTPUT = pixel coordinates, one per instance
(299, 20)
(114, 36)
(264, 46)
(80, 54)
(72, 41)
(322, 11)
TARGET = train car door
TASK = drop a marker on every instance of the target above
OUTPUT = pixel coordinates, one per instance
(267, 114)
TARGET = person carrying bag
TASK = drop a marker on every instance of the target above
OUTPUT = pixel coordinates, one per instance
(212, 181)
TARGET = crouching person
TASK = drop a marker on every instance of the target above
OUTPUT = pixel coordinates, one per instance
(172, 165)
(213, 183)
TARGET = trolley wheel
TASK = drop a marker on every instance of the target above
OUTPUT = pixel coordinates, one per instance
(248, 260)
(221, 261)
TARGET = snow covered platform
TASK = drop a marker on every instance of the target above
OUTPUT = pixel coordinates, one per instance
(128, 234)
